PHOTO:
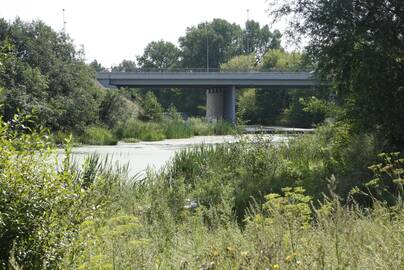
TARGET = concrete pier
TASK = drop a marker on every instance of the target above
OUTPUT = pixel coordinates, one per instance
(221, 104)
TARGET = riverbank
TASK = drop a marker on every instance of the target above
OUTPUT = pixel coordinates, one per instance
(143, 155)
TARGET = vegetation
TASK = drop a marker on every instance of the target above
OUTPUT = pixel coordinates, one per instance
(328, 200)
(41, 207)
(253, 205)
(98, 135)
(357, 44)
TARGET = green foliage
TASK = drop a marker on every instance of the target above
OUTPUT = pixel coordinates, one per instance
(98, 136)
(246, 109)
(388, 179)
(200, 127)
(145, 131)
(184, 218)
(117, 108)
(220, 36)
(280, 60)
(258, 40)
(152, 110)
(159, 55)
(240, 63)
(43, 73)
(125, 66)
(358, 53)
(293, 207)
(175, 129)
(224, 128)
(41, 207)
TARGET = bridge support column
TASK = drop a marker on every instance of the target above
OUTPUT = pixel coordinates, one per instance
(229, 107)
(221, 104)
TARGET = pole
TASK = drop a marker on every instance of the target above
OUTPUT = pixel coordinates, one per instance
(207, 47)
(64, 21)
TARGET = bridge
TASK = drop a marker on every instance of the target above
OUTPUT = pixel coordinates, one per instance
(220, 86)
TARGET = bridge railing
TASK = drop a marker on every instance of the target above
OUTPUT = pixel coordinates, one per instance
(202, 70)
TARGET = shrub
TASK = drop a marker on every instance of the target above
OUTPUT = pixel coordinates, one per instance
(41, 207)
(176, 129)
(152, 109)
(200, 126)
(224, 128)
(98, 136)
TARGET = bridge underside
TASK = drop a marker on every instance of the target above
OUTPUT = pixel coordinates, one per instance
(221, 86)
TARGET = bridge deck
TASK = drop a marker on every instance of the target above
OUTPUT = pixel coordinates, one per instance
(207, 79)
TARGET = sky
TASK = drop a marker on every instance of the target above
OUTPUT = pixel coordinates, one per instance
(113, 30)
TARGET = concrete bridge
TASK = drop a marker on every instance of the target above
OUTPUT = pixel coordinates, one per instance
(220, 86)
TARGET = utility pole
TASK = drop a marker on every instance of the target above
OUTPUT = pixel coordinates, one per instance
(248, 33)
(207, 47)
(64, 21)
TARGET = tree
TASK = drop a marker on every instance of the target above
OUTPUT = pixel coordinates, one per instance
(152, 110)
(240, 63)
(219, 39)
(159, 55)
(360, 46)
(280, 60)
(97, 66)
(125, 66)
(42, 73)
(258, 40)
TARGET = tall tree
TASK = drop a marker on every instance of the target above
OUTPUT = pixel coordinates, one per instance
(43, 72)
(214, 42)
(258, 40)
(159, 55)
(359, 44)
(96, 66)
(125, 66)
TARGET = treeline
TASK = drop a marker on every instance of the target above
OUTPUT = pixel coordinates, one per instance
(42, 73)
(220, 45)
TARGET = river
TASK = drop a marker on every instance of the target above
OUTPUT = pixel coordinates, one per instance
(139, 157)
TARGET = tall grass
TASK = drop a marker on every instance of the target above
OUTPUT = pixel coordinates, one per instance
(229, 207)
(171, 129)
(98, 136)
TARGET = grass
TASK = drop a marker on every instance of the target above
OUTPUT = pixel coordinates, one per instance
(135, 130)
(98, 136)
(308, 204)
(171, 129)
(246, 217)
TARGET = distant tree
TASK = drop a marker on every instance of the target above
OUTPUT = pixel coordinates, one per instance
(219, 38)
(258, 40)
(159, 55)
(125, 66)
(360, 46)
(116, 108)
(152, 110)
(97, 66)
(280, 60)
(240, 63)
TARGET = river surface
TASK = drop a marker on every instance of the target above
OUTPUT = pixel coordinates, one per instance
(141, 156)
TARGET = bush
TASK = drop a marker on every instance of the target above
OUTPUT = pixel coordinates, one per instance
(144, 131)
(224, 128)
(185, 220)
(200, 127)
(98, 136)
(253, 168)
(177, 129)
(42, 203)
